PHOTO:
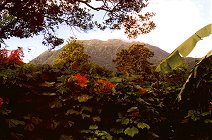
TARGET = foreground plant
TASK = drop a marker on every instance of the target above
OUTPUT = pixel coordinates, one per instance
(103, 86)
(14, 57)
(195, 95)
(80, 80)
(175, 60)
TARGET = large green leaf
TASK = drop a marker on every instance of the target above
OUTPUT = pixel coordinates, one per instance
(131, 131)
(143, 125)
(186, 47)
(163, 67)
(174, 59)
(132, 109)
(14, 123)
(93, 127)
(209, 54)
(194, 73)
(171, 62)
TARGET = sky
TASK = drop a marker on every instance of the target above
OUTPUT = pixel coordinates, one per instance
(176, 20)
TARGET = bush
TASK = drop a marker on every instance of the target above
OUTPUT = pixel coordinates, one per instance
(86, 102)
(47, 104)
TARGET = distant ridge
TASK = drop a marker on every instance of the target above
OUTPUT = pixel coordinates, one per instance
(103, 52)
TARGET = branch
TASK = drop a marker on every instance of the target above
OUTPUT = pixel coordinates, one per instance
(95, 8)
(2, 6)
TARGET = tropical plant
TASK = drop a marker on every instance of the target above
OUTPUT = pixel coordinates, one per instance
(175, 60)
(83, 101)
(195, 95)
(200, 75)
(196, 91)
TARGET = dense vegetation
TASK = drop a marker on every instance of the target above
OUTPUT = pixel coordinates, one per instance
(78, 99)
(104, 52)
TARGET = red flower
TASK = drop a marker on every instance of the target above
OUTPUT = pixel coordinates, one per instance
(81, 80)
(1, 101)
(15, 56)
(134, 114)
(103, 86)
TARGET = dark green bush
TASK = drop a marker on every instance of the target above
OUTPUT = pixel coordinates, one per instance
(44, 102)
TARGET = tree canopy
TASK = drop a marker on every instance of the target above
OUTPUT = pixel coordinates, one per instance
(72, 53)
(134, 60)
(25, 18)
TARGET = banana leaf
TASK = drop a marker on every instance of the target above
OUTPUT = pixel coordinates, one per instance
(174, 59)
(195, 74)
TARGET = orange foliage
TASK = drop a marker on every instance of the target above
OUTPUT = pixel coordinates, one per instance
(103, 86)
(14, 57)
(81, 80)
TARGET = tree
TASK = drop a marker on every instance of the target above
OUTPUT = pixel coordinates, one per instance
(72, 54)
(134, 60)
(25, 18)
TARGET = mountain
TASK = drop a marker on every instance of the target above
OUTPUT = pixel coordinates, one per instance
(103, 52)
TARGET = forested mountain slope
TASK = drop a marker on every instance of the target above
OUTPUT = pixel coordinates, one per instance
(103, 52)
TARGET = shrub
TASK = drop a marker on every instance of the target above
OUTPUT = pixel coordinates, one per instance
(15, 56)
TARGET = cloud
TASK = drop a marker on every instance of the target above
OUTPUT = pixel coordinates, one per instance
(179, 19)
(176, 20)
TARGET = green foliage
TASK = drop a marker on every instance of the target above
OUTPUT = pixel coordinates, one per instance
(131, 131)
(134, 60)
(174, 59)
(195, 95)
(103, 53)
(86, 102)
(176, 78)
(196, 115)
(45, 99)
(72, 53)
(143, 125)
(196, 92)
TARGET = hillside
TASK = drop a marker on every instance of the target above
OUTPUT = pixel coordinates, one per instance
(103, 52)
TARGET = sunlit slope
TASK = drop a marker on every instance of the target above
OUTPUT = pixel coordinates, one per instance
(103, 52)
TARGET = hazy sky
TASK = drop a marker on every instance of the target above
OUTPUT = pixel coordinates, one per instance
(176, 20)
